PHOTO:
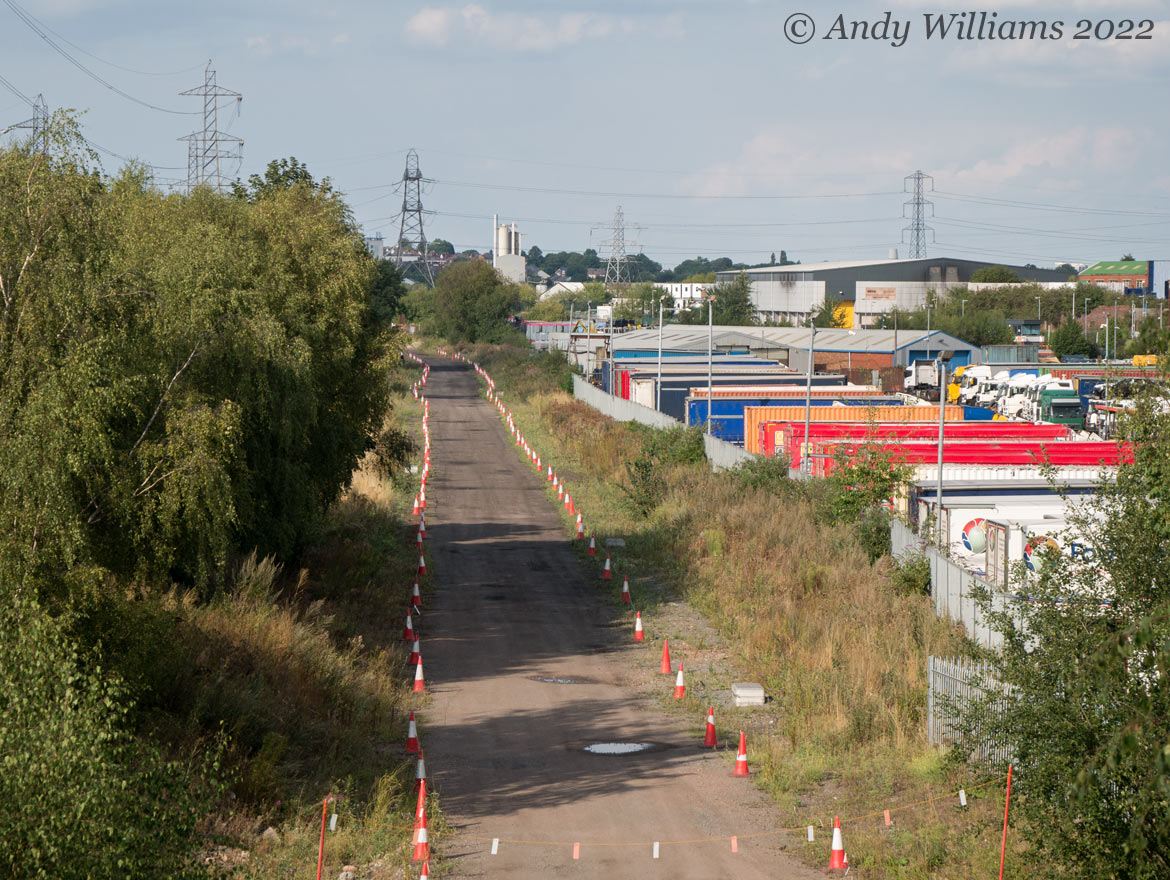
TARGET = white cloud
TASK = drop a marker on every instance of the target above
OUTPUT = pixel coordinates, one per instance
(259, 45)
(438, 26)
(1046, 158)
(340, 40)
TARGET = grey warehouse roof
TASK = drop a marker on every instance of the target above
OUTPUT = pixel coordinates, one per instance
(693, 337)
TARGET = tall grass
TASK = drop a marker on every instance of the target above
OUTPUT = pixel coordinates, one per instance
(840, 648)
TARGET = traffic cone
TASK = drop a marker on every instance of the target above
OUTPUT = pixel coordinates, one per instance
(709, 740)
(419, 684)
(422, 565)
(418, 541)
(560, 491)
(422, 498)
(606, 573)
(425, 875)
(422, 847)
(639, 636)
(422, 526)
(415, 596)
(420, 772)
(741, 765)
(665, 669)
(580, 530)
(837, 860)
(408, 633)
(626, 588)
(550, 476)
(572, 509)
(680, 686)
(415, 653)
(415, 511)
(420, 813)
(412, 735)
(592, 546)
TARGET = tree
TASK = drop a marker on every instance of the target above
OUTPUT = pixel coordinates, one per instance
(1069, 339)
(386, 291)
(1068, 270)
(830, 314)
(535, 255)
(994, 275)
(472, 303)
(1082, 702)
(642, 300)
(440, 246)
(733, 302)
(1125, 258)
(279, 174)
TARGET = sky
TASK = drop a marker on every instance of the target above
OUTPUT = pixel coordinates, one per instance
(715, 133)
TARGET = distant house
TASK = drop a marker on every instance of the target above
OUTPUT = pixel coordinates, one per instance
(1140, 277)
(559, 287)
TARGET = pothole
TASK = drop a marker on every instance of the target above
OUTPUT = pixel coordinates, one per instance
(619, 748)
(549, 680)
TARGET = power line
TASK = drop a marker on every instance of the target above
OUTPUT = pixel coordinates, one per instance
(638, 195)
(1042, 206)
(410, 228)
(204, 154)
(39, 31)
(918, 205)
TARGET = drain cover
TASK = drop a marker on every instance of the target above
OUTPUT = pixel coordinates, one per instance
(617, 748)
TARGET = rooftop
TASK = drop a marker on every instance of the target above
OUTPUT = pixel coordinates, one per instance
(693, 337)
(1118, 267)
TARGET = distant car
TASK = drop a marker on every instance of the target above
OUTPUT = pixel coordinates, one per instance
(1074, 359)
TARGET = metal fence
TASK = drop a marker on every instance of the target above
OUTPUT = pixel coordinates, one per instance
(952, 684)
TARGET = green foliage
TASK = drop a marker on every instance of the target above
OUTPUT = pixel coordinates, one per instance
(1151, 339)
(1084, 708)
(440, 246)
(1069, 338)
(472, 302)
(733, 302)
(641, 301)
(911, 575)
(84, 799)
(393, 452)
(386, 292)
(994, 275)
(179, 375)
(661, 449)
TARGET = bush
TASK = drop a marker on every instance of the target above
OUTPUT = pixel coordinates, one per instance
(83, 798)
(912, 574)
(660, 450)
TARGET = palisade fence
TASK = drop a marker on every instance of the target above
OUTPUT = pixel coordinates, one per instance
(950, 685)
(720, 453)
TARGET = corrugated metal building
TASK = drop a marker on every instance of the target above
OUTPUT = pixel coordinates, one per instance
(863, 288)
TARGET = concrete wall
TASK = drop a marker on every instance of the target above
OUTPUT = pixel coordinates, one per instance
(720, 453)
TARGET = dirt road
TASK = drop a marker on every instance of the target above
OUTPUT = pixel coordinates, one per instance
(525, 667)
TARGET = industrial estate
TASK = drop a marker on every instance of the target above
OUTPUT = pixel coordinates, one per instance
(359, 555)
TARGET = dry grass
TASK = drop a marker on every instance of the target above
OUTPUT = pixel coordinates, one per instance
(841, 651)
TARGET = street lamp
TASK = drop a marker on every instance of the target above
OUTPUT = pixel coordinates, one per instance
(1038, 318)
(941, 364)
(963, 308)
(710, 349)
(658, 385)
(805, 467)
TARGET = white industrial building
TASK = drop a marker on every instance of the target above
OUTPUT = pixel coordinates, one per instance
(866, 288)
(507, 254)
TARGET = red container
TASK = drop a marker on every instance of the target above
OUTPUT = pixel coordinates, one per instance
(1067, 453)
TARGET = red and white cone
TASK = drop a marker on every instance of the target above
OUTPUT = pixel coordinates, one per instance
(639, 636)
(422, 526)
(422, 498)
(837, 859)
(709, 741)
(580, 530)
(626, 588)
(415, 595)
(741, 765)
(419, 684)
(420, 813)
(680, 686)
(572, 509)
(408, 632)
(416, 508)
(426, 871)
(422, 846)
(606, 573)
(550, 475)
(592, 545)
(665, 669)
(412, 735)
(560, 491)
(422, 565)
(419, 541)
(415, 652)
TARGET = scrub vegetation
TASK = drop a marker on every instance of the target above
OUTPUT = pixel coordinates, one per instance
(191, 584)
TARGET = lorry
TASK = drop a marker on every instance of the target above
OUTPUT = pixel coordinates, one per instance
(921, 380)
(1059, 406)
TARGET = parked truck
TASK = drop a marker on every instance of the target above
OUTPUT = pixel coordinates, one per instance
(922, 380)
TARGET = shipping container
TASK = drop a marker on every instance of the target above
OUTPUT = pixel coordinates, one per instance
(1060, 453)
(727, 414)
(776, 438)
(754, 416)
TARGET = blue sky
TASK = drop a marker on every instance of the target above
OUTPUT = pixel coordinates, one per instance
(714, 133)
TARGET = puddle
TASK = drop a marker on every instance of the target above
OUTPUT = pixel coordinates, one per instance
(626, 748)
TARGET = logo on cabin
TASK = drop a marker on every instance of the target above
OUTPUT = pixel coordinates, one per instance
(975, 535)
(1034, 552)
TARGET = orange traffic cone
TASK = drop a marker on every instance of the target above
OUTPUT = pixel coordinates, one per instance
(412, 735)
(580, 530)
(572, 509)
(606, 573)
(418, 541)
(422, 846)
(422, 565)
(837, 860)
(665, 669)
(420, 812)
(415, 595)
(422, 526)
(426, 874)
(709, 741)
(626, 588)
(550, 476)
(741, 765)
(408, 632)
(415, 511)
(638, 635)
(560, 491)
(592, 545)
(422, 498)
(419, 684)
(680, 686)
(415, 653)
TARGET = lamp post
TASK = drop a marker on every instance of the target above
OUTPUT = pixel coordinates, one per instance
(962, 308)
(710, 349)
(805, 464)
(1038, 318)
(941, 363)
(658, 385)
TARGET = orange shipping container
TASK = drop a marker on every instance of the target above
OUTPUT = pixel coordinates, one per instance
(754, 416)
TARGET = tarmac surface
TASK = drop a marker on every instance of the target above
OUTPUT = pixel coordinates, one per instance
(526, 666)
